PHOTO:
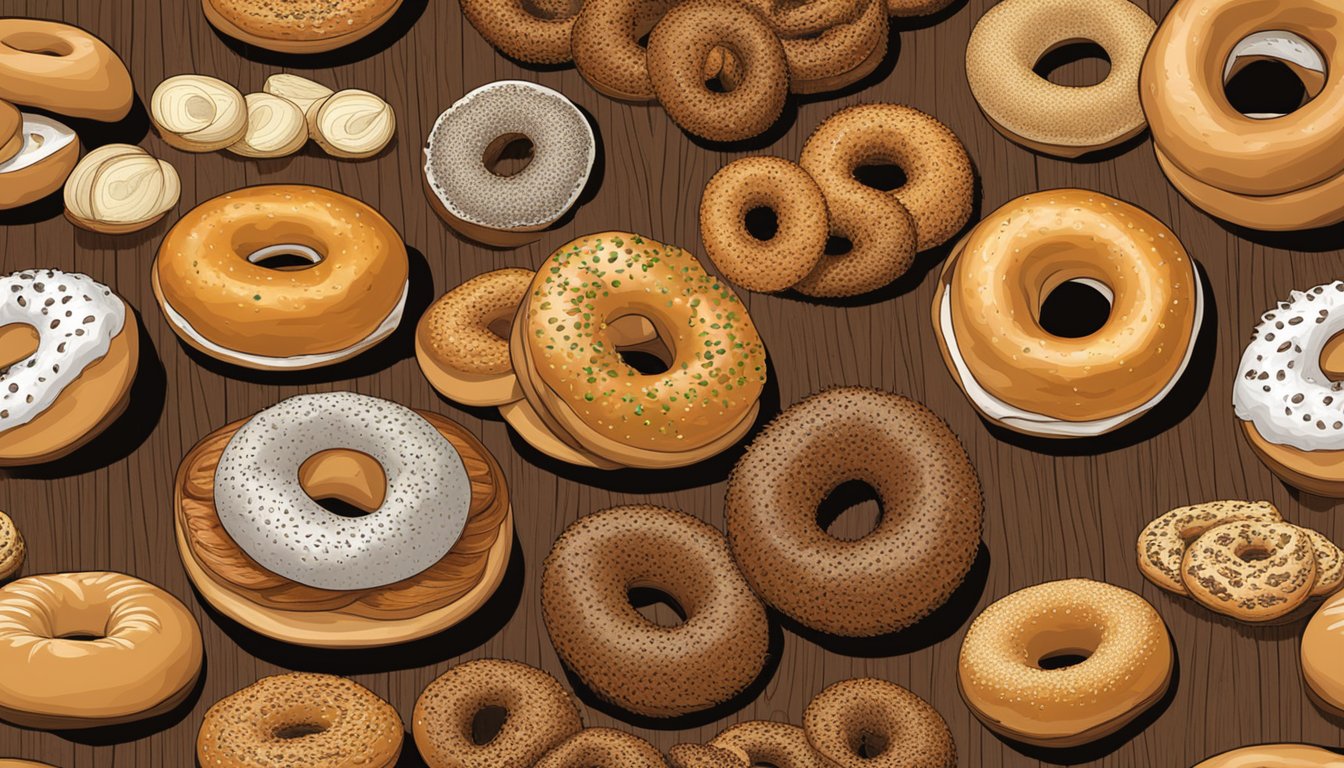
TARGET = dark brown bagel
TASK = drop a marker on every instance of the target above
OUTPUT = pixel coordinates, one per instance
(539, 714)
(603, 748)
(765, 742)
(606, 45)
(682, 44)
(704, 756)
(537, 33)
(912, 561)
(628, 660)
(870, 723)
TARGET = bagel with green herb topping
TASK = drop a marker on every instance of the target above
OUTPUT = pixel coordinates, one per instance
(587, 404)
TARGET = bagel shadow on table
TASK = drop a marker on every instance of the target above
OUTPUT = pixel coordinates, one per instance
(375, 42)
(410, 754)
(635, 480)
(1318, 240)
(1096, 750)
(1174, 408)
(108, 735)
(774, 651)
(398, 346)
(1282, 629)
(924, 263)
(144, 408)
(938, 626)
(457, 640)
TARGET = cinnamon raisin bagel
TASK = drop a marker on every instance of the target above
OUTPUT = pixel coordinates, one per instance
(920, 551)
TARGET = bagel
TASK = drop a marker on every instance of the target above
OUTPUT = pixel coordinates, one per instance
(1020, 376)
(76, 347)
(140, 660)
(808, 19)
(46, 157)
(1284, 393)
(838, 56)
(219, 296)
(900, 572)
(871, 723)
(1274, 756)
(459, 344)
(1003, 676)
(711, 656)
(467, 141)
(120, 188)
(299, 26)
(799, 241)
(1061, 120)
(538, 715)
(681, 44)
(12, 549)
(62, 69)
(583, 396)
(1266, 171)
(606, 46)
(770, 743)
(395, 464)
(1219, 571)
(11, 131)
(703, 756)
(602, 748)
(534, 33)
(300, 718)
(1163, 542)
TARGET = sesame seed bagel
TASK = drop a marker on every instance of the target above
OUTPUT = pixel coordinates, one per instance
(840, 55)
(603, 748)
(1020, 376)
(12, 548)
(568, 357)
(704, 756)
(537, 34)
(1061, 120)
(1274, 756)
(607, 51)
(764, 742)
(1219, 571)
(871, 723)
(940, 183)
(300, 718)
(682, 42)
(1003, 676)
(539, 714)
(920, 551)
(645, 668)
(799, 240)
(299, 26)
(1163, 542)
(458, 343)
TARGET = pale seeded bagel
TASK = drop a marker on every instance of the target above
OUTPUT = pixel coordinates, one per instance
(704, 756)
(770, 743)
(299, 26)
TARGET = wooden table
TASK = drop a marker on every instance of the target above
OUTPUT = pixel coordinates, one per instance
(1053, 509)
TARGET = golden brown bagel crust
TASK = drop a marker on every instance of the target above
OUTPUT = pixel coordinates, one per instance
(513, 28)
(345, 725)
(1017, 255)
(82, 76)
(603, 748)
(839, 55)
(1274, 756)
(628, 660)
(704, 756)
(845, 715)
(143, 662)
(1322, 644)
(1307, 208)
(778, 744)
(897, 574)
(1127, 669)
(299, 26)
(539, 715)
(456, 344)
(203, 273)
(11, 548)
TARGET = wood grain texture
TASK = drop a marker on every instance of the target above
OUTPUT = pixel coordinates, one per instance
(1053, 510)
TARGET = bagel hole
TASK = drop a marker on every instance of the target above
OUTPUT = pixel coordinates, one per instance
(1271, 74)
(501, 326)
(552, 9)
(1332, 357)
(1076, 308)
(1254, 553)
(344, 482)
(722, 70)
(761, 222)
(838, 246)
(39, 44)
(487, 723)
(884, 177)
(1074, 63)
(298, 730)
(656, 606)
(18, 342)
(1062, 659)
(287, 257)
(508, 155)
(640, 345)
(81, 637)
(867, 745)
(851, 511)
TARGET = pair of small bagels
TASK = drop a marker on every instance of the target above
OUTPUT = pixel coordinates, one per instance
(820, 198)
(556, 369)
(1239, 558)
(1066, 121)
(198, 113)
(61, 69)
(1266, 171)
(857, 723)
